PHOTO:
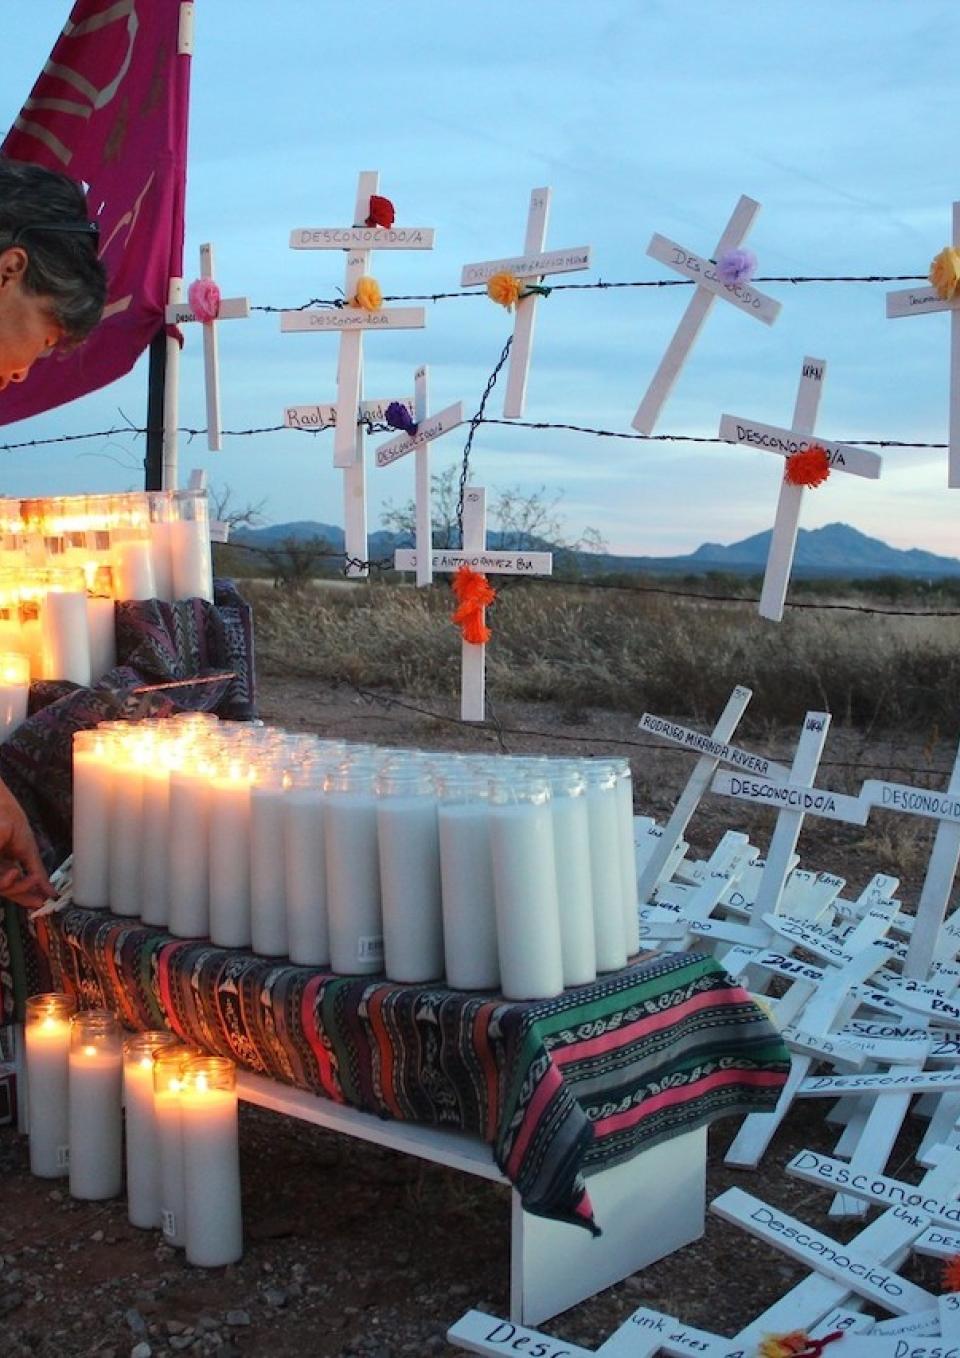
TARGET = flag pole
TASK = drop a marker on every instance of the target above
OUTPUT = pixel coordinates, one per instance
(163, 377)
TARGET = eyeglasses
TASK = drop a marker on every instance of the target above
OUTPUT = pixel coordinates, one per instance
(91, 229)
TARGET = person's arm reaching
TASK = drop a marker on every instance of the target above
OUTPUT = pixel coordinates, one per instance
(22, 875)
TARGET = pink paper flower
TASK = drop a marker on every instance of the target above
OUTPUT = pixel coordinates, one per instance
(204, 298)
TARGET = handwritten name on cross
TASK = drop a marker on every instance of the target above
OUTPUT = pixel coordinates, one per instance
(795, 799)
(942, 867)
(771, 439)
(475, 554)
(708, 288)
(712, 749)
(229, 309)
(350, 322)
(531, 267)
(920, 302)
(429, 427)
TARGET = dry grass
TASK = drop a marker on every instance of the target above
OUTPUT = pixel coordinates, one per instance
(625, 651)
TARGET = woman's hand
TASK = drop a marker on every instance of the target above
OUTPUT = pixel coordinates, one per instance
(22, 875)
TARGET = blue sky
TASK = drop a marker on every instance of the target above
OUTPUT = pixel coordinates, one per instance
(642, 116)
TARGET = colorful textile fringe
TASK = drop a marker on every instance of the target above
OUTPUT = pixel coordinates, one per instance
(670, 1043)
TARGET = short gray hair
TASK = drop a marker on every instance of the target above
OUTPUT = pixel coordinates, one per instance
(62, 265)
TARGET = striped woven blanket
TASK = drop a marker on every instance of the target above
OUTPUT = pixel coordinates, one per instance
(557, 1087)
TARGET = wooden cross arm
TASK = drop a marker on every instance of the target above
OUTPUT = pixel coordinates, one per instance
(231, 309)
(770, 438)
(704, 273)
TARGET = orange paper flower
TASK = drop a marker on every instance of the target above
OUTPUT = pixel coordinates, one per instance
(945, 272)
(368, 295)
(951, 1274)
(784, 1345)
(811, 467)
(505, 289)
(474, 593)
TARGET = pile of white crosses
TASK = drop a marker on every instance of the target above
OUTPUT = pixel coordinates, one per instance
(870, 1014)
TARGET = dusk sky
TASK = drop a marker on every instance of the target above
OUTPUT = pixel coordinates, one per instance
(642, 116)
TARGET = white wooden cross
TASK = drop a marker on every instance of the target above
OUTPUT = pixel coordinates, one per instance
(771, 439)
(350, 322)
(942, 867)
(475, 554)
(796, 798)
(708, 288)
(531, 267)
(712, 749)
(919, 302)
(429, 427)
(230, 308)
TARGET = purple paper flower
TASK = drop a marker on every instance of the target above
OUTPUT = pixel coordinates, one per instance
(736, 266)
(399, 417)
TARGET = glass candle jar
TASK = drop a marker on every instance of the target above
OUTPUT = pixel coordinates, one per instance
(525, 884)
(47, 1039)
(409, 853)
(571, 843)
(466, 871)
(353, 868)
(96, 1117)
(191, 561)
(142, 1153)
(169, 1064)
(211, 1162)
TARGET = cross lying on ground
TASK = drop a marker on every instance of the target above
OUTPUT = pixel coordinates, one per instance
(708, 289)
(531, 268)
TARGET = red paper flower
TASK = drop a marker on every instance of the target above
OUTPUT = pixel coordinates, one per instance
(951, 1274)
(381, 211)
(474, 593)
(811, 467)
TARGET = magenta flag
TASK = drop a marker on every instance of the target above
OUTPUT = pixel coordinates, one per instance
(110, 109)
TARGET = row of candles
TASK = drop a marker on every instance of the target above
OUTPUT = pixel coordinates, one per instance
(497, 873)
(64, 562)
(181, 1146)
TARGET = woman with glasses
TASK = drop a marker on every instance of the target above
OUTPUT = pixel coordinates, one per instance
(52, 291)
(52, 283)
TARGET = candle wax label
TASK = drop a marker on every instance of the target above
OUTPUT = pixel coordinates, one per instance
(370, 949)
(63, 1157)
(168, 1223)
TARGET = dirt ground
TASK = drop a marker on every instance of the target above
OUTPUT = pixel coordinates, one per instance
(354, 1250)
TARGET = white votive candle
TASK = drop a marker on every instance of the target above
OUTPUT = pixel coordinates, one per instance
(188, 849)
(14, 691)
(65, 638)
(92, 790)
(409, 848)
(571, 844)
(132, 562)
(305, 868)
(353, 870)
(190, 555)
(47, 1036)
(211, 1162)
(155, 851)
(628, 857)
(229, 848)
(466, 871)
(168, 1067)
(96, 1116)
(102, 629)
(525, 882)
(126, 825)
(142, 1150)
(605, 872)
(268, 900)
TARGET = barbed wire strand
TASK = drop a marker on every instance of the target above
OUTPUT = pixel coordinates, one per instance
(496, 728)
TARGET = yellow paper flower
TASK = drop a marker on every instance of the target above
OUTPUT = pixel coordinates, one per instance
(504, 288)
(368, 295)
(945, 272)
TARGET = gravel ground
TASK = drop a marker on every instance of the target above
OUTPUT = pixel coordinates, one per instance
(353, 1250)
